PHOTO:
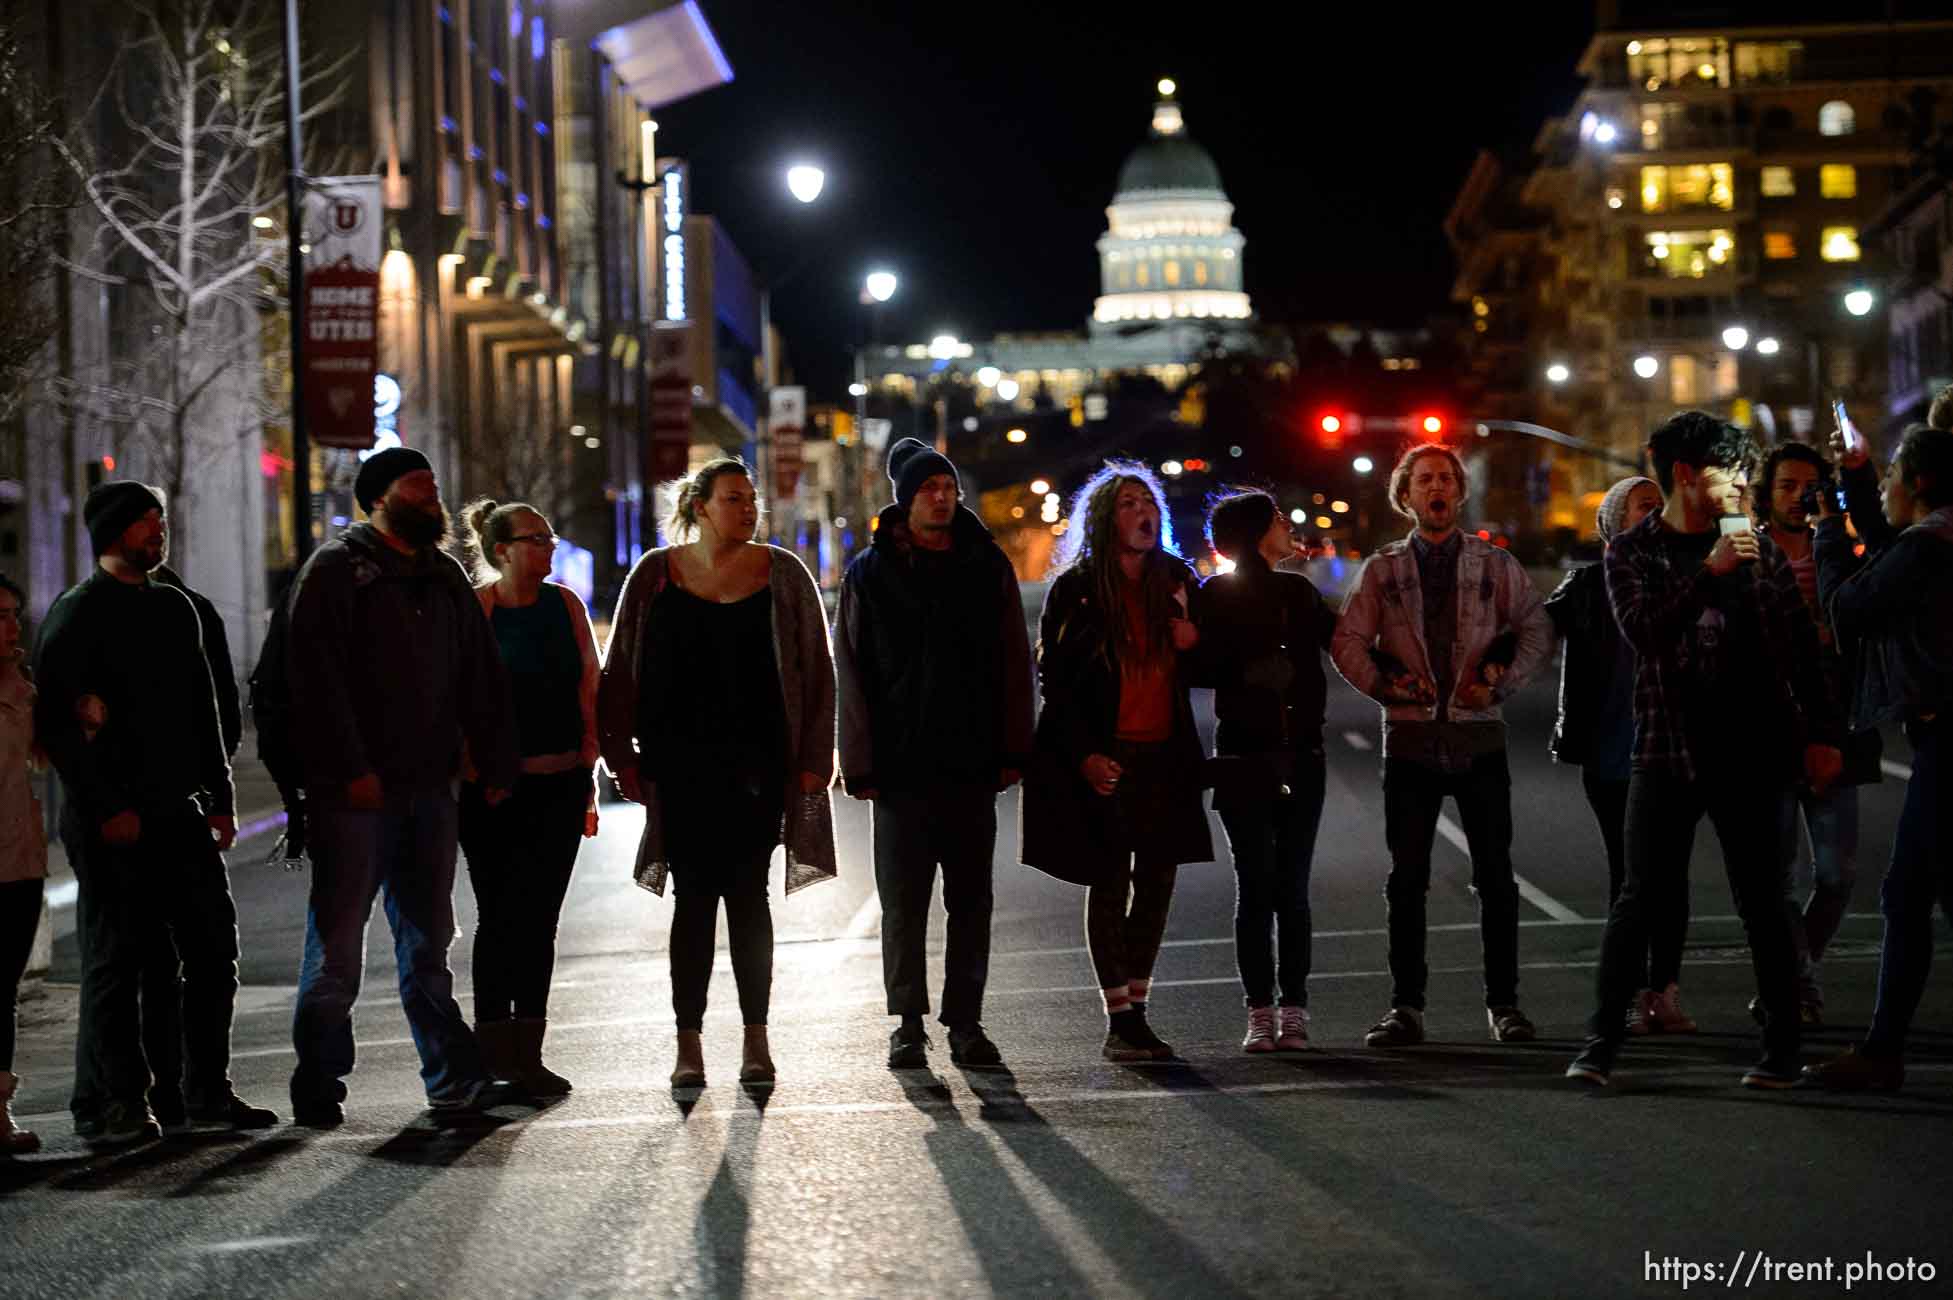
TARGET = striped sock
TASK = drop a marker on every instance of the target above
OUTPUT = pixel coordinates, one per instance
(1117, 999)
(1137, 991)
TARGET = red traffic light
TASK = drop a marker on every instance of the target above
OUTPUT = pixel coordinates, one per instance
(1431, 424)
(1332, 424)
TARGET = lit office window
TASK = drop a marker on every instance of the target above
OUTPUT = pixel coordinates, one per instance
(1689, 254)
(1836, 118)
(1780, 245)
(1839, 244)
(1778, 182)
(1768, 63)
(1837, 181)
(1697, 185)
(1173, 272)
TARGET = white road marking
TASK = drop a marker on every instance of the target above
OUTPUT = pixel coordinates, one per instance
(1357, 740)
(247, 1243)
(1532, 893)
(1891, 768)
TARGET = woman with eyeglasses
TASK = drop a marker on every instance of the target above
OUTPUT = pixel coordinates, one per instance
(521, 851)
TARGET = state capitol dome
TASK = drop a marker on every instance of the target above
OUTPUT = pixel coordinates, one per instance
(1170, 250)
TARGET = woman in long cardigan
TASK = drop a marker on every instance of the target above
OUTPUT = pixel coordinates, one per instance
(716, 712)
(1113, 798)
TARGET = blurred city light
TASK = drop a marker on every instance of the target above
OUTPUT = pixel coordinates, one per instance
(857, 390)
(1007, 389)
(1767, 346)
(943, 347)
(1858, 302)
(1646, 366)
(881, 285)
(1736, 338)
(1040, 486)
(1016, 435)
(806, 182)
(988, 376)
(1362, 465)
(1557, 373)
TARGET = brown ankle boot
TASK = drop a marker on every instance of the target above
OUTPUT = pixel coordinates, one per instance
(535, 1077)
(13, 1141)
(690, 1070)
(756, 1061)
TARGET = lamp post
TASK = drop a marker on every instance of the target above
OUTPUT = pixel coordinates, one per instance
(295, 287)
(805, 182)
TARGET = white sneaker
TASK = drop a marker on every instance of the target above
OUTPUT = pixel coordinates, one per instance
(1294, 1036)
(1261, 1030)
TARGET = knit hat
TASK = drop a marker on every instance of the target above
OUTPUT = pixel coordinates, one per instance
(381, 469)
(1613, 506)
(911, 462)
(113, 506)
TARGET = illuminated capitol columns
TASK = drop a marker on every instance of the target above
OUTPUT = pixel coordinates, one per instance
(1171, 250)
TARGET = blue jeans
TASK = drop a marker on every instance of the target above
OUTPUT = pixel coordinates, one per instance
(1918, 877)
(1831, 822)
(406, 850)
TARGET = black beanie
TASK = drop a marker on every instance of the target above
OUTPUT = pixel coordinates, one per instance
(113, 506)
(381, 469)
(910, 462)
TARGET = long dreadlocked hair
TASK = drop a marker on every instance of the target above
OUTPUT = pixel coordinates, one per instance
(1091, 544)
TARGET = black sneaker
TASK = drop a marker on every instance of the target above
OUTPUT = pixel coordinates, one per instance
(969, 1045)
(232, 1113)
(171, 1115)
(1595, 1064)
(317, 1113)
(1129, 1038)
(125, 1123)
(1400, 1027)
(1775, 1073)
(908, 1048)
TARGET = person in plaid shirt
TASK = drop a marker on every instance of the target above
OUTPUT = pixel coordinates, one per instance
(1725, 644)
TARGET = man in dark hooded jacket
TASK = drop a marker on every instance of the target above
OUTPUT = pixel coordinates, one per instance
(391, 666)
(933, 660)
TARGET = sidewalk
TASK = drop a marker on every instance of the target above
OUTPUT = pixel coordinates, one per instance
(259, 814)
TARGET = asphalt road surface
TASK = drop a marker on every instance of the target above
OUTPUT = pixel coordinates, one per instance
(1462, 1168)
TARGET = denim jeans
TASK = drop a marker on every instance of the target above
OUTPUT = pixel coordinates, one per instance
(1831, 822)
(406, 852)
(1274, 845)
(1920, 875)
(158, 937)
(1413, 796)
(915, 830)
(1663, 811)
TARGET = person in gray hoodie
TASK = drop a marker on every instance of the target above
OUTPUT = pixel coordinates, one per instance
(392, 667)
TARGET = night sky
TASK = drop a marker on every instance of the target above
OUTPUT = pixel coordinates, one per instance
(973, 149)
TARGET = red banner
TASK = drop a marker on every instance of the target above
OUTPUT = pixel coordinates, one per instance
(341, 354)
(671, 401)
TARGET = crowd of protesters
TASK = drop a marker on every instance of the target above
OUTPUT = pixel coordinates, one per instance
(1752, 623)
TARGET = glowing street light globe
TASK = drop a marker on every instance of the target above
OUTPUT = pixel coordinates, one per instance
(943, 347)
(1736, 338)
(1362, 465)
(880, 285)
(1557, 373)
(1007, 390)
(1767, 347)
(805, 182)
(1858, 302)
(988, 376)
(857, 390)
(1646, 366)
(1167, 87)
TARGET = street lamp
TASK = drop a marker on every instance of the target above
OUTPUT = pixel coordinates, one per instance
(1858, 301)
(806, 181)
(880, 285)
(1007, 390)
(1735, 338)
(1557, 373)
(943, 347)
(1767, 347)
(1362, 465)
(1646, 366)
(988, 376)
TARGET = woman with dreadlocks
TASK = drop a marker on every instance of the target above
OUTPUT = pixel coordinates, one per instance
(1114, 800)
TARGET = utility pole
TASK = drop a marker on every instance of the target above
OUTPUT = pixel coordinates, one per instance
(295, 284)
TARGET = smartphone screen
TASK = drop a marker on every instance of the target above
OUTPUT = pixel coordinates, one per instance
(1850, 431)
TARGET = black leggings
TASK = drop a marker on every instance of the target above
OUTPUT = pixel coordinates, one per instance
(520, 856)
(696, 892)
(20, 917)
(1125, 920)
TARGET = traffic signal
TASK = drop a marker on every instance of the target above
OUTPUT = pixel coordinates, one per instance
(1329, 431)
(1431, 425)
(1332, 424)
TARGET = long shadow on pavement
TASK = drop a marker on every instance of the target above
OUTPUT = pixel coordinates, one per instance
(1154, 1257)
(1006, 1234)
(725, 1213)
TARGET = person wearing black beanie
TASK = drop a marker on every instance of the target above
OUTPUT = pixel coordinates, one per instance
(380, 470)
(129, 715)
(931, 628)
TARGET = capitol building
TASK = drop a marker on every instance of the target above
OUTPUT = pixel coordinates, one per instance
(1170, 290)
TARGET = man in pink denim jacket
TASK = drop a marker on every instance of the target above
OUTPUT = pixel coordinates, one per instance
(1436, 610)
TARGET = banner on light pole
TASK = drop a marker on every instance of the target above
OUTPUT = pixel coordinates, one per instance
(341, 314)
(786, 421)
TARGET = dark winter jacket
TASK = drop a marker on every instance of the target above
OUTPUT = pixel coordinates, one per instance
(391, 666)
(1263, 633)
(1596, 671)
(1893, 618)
(138, 649)
(933, 661)
(216, 653)
(1079, 676)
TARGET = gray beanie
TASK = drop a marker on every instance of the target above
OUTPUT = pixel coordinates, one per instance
(1613, 506)
(911, 462)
